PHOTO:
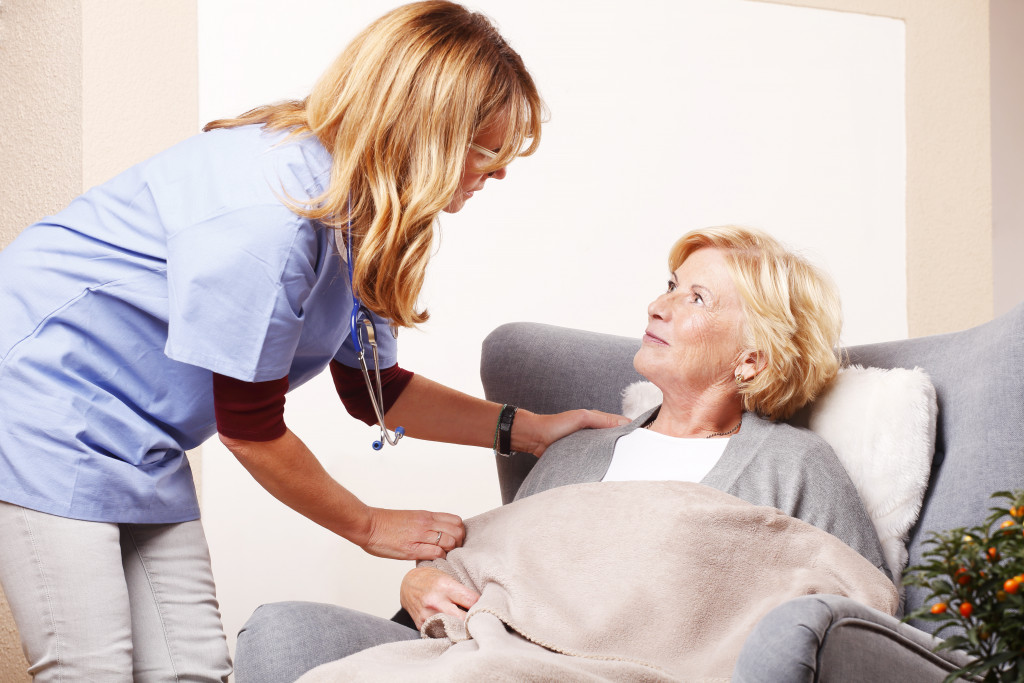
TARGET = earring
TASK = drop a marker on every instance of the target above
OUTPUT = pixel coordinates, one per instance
(739, 379)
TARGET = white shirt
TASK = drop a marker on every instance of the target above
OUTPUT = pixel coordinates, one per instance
(645, 455)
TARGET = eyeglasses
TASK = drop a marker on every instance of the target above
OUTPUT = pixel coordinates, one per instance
(489, 153)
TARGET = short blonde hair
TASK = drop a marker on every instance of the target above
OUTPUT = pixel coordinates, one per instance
(792, 311)
(398, 110)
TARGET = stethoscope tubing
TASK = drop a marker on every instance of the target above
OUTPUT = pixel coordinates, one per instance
(376, 397)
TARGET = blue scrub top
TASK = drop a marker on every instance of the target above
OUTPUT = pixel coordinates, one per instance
(115, 313)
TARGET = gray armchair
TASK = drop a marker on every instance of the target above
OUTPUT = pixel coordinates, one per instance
(979, 449)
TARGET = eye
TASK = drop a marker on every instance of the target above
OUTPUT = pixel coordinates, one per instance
(698, 299)
(671, 286)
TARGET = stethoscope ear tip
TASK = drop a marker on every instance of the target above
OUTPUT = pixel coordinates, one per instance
(377, 445)
(400, 431)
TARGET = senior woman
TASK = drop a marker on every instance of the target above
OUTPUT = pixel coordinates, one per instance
(745, 335)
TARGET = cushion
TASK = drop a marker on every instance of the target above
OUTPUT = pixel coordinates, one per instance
(881, 424)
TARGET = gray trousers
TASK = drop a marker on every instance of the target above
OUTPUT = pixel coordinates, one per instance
(283, 640)
(97, 601)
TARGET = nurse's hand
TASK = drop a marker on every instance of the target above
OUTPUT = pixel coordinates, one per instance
(532, 433)
(411, 534)
(426, 591)
(293, 475)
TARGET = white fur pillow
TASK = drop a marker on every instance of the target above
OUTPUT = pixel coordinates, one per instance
(881, 424)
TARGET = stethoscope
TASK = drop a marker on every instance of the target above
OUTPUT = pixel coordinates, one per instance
(361, 322)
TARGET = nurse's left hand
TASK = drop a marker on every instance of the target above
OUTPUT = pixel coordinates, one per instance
(412, 534)
(532, 433)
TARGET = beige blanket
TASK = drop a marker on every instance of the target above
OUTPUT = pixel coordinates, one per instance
(630, 581)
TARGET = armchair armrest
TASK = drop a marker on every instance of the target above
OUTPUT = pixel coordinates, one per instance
(822, 638)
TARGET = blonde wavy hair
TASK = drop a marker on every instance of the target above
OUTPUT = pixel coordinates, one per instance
(792, 311)
(397, 110)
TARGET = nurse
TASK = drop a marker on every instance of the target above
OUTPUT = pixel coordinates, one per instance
(187, 295)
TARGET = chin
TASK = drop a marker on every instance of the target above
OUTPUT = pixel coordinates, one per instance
(641, 365)
(657, 371)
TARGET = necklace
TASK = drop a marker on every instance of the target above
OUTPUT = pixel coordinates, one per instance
(731, 431)
(709, 436)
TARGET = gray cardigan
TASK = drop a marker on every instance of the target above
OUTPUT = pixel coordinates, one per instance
(766, 463)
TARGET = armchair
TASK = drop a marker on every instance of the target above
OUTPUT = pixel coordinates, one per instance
(979, 449)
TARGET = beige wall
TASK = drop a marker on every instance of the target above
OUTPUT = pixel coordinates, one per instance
(141, 76)
(87, 88)
(41, 109)
(1005, 28)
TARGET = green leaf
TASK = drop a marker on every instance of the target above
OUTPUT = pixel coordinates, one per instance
(953, 643)
(1003, 657)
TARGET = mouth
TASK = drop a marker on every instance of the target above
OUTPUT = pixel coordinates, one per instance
(653, 339)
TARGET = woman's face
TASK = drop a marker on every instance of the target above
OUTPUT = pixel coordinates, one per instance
(694, 330)
(473, 179)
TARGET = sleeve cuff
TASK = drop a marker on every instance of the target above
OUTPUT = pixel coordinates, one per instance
(352, 389)
(250, 411)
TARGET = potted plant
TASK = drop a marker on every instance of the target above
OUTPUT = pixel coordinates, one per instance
(975, 577)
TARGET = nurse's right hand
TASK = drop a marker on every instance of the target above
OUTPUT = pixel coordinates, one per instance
(412, 534)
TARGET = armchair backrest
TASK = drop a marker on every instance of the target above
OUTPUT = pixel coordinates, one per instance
(978, 376)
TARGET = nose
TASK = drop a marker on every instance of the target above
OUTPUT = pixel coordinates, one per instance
(497, 175)
(658, 309)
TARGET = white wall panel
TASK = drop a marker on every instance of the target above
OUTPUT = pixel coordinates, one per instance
(673, 116)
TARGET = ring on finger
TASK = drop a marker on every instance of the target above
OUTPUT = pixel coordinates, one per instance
(438, 541)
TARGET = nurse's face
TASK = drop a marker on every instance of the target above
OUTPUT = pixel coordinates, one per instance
(473, 178)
